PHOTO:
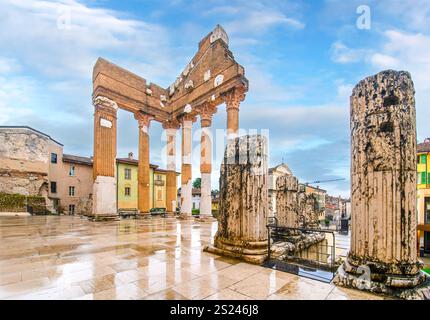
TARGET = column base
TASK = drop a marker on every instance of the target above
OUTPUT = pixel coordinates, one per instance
(404, 286)
(254, 252)
(206, 218)
(103, 217)
(185, 216)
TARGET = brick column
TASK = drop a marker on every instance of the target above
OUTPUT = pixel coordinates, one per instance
(143, 178)
(171, 188)
(104, 187)
(232, 101)
(206, 114)
(186, 175)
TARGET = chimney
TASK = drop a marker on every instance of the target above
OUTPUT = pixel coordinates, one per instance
(130, 155)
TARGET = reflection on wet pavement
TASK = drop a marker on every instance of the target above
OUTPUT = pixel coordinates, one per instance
(50, 257)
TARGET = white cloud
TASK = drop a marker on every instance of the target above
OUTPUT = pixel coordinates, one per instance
(341, 53)
(33, 30)
(259, 22)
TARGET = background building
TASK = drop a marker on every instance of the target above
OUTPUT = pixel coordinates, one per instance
(33, 164)
(423, 195)
(127, 169)
(320, 195)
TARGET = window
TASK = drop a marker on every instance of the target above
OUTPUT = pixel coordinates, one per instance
(71, 191)
(427, 210)
(53, 187)
(53, 158)
(127, 173)
(423, 158)
(158, 177)
(421, 178)
(72, 170)
(71, 209)
(127, 191)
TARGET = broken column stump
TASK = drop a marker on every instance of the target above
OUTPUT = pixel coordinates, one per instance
(287, 205)
(383, 255)
(242, 231)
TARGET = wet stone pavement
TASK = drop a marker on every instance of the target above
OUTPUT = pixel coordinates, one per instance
(51, 257)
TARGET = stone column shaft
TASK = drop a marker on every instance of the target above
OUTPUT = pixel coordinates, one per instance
(242, 219)
(171, 190)
(143, 191)
(186, 175)
(232, 100)
(206, 162)
(104, 188)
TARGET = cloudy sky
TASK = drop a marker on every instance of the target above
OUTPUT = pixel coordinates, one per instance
(302, 59)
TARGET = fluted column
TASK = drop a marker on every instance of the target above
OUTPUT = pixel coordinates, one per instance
(143, 177)
(104, 187)
(186, 175)
(206, 114)
(171, 189)
(232, 101)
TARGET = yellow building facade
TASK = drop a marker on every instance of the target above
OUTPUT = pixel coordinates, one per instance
(423, 196)
(127, 171)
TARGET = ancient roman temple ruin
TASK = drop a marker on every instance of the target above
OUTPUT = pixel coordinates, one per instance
(211, 78)
(383, 255)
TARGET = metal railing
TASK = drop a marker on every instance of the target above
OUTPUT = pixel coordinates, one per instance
(303, 251)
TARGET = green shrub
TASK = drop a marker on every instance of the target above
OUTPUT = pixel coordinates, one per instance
(19, 202)
(195, 211)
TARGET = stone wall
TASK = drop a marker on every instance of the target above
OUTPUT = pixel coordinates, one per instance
(24, 159)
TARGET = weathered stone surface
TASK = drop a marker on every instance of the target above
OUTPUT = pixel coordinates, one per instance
(242, 229)
(287, 204)
(308, 210)
(383, 185)
(294, 208)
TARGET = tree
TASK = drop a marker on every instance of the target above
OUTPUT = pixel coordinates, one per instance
(197, 183)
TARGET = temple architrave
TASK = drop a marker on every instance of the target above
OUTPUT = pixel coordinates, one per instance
(211, 78)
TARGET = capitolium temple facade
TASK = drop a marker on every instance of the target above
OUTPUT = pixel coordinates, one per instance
(211, 78)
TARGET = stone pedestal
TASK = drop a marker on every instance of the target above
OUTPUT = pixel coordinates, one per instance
(383, 256)
(243, 212)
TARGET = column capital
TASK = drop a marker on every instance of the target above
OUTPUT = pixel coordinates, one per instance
(206, 111)
(187, 117)
(105, 105)
(143, 119)
(234, 97)
(171, 124)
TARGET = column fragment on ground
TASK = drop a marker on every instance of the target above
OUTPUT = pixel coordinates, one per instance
(143, 176)
(243, 212)
(206, 114)
(383, 187)
(186, 175)
(104, 187)
(171, 194)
